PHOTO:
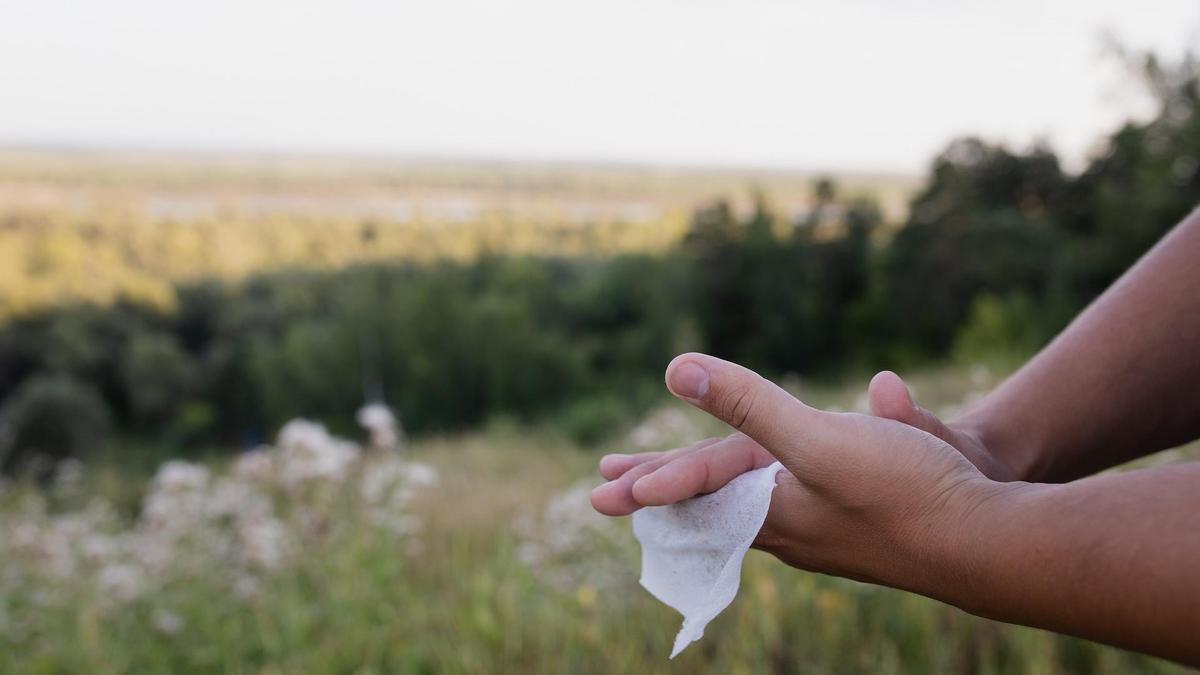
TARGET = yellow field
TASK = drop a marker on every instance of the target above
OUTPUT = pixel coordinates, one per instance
(78, 226)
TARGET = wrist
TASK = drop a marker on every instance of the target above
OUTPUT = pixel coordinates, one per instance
(977, 528)
(1014, 446)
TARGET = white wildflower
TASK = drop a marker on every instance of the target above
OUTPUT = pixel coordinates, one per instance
(666, 427)
(382, 427)
(255, 466)
(68, 477)
(166, 622)
(236, 499)
(571, 543)
(246, 587)
(177, 476)
(121, 582)
(309, 453)
(262, 543)
(97, 548)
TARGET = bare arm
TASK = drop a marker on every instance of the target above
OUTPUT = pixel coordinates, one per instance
(1120, 382)
(1112, 558)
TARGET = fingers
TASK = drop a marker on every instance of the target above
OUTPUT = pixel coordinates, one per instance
(756, 407)
(889, 398)
(615, 498)
(612, 466)
(706, 470)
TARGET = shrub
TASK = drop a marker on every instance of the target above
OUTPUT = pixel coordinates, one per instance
(594, 419)
(998, 328)
(50, 417)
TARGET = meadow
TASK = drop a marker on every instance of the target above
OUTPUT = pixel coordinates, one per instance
(459, 554)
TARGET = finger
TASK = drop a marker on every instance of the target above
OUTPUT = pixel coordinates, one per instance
(615, 498)
(612, 466)
(789, 507)
(701, 472)
(791, 431)
(890, 398)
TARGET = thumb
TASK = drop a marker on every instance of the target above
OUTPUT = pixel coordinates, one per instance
(753, 405)
(890, 398)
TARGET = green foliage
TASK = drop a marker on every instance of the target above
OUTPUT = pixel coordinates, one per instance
(48, 418)
(999, 250)
(155, 371)
(595, 419)
(998, 327)
(461, 594)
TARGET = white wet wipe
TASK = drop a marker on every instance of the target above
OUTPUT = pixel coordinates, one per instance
(692, 551)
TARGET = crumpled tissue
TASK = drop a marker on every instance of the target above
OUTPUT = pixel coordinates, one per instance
(692, 551)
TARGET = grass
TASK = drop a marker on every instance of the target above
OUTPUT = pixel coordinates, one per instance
(483, 586)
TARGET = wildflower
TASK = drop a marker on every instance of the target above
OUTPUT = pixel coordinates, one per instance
(121, 582)
(68, 477)
(254, 466)
(246, 587)
(571, 543)
(307, 453)
(663, 428)
(262, 543)
(382, 427)
(178, 476)
(166, 622)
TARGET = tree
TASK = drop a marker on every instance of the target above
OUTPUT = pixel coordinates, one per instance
(50, 417)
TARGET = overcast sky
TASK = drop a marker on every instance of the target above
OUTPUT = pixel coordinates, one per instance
(847, 84)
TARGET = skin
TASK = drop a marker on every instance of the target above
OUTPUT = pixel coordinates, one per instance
(990, 512)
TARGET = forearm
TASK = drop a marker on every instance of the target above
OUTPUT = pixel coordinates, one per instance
(1118, 383)
(1112, 558)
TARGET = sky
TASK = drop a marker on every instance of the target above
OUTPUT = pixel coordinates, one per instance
(868, 85)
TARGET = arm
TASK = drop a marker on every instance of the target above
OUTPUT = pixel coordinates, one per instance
(1122, 381)
(1111, 558)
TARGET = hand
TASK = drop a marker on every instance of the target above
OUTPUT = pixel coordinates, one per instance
(889, 398)
(864, 497)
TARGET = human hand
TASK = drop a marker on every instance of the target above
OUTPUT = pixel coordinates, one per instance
(890, 398)
(870, 498)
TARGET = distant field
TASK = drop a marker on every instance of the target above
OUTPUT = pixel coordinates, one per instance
(95, 226)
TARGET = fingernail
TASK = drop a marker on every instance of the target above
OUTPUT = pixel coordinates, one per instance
(689, 380)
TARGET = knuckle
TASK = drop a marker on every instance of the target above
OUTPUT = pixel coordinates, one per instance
(739, 404)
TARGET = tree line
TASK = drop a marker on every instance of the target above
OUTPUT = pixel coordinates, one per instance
(1001, 247)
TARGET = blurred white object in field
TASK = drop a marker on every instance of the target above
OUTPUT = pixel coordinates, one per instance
(310, 453)
(568, 544)
(240, 523)
(383, 429)
(666, 427)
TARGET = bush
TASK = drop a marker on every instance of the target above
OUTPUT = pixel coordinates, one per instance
(155, 373)
(998, 328)
(50, 417)
(595, 419)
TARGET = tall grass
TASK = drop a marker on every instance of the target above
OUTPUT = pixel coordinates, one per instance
(507, 570)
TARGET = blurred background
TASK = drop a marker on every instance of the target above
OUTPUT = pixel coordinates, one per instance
(315, 317)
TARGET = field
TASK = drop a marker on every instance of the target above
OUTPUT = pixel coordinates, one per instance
(101, 226)
(471, 553)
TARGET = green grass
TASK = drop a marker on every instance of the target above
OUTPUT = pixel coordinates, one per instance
(466, 595)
